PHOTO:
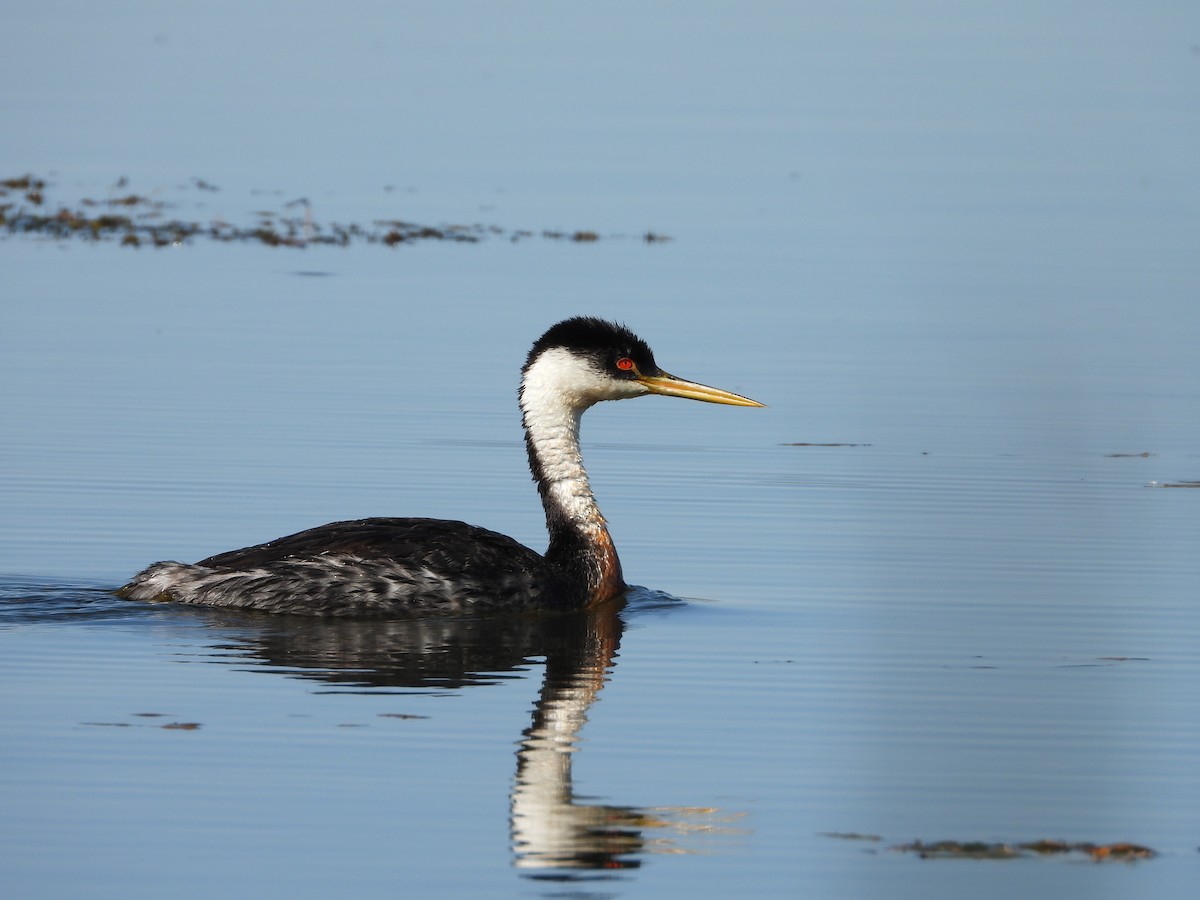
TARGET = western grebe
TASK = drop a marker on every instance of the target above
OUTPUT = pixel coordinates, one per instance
(393, 568)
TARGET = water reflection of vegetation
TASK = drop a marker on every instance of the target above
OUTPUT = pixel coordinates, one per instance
(136, 220)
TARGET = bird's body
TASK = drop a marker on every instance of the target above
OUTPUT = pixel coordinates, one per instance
(368, 568)
(397, 567)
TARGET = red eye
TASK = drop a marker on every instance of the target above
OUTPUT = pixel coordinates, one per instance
(624, 363)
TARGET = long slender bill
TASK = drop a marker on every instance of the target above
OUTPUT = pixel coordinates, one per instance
(662, 383)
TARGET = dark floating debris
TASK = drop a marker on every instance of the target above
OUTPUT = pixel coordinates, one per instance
(808, 444)
(1119, 852)
(170, 726)
(136, 220)
(851, 836)
(959, 850)
(1145, 454)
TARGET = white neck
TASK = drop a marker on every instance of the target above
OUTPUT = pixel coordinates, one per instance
(554, 393)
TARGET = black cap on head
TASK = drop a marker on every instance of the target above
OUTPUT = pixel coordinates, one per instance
(604, 341)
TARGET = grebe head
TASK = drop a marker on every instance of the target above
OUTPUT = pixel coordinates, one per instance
(584, 360)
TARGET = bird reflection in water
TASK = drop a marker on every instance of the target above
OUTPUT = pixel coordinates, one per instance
(554, 835)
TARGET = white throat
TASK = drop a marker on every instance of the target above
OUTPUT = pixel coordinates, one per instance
(556, 390)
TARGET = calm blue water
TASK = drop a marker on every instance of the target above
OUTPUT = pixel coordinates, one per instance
(959, 242)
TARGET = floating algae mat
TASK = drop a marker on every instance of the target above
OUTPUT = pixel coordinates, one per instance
(1122, 851)
(133, 219)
